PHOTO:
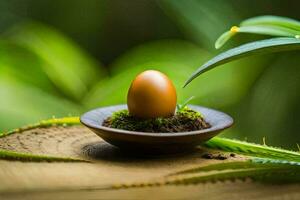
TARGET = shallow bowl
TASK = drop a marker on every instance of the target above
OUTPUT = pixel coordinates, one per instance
(155, 142)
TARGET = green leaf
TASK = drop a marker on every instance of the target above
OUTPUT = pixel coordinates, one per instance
(22, 103)
(268, 30)
(251, 149)
(258, 29)
(272, 20)
(274, 174)
(264, 25)
(32, 85)
(180, 107)
(257, 163)
(280, 84)
(238, 170)
(223, 39)
(253, 48)
(69, 68)
(23, 65)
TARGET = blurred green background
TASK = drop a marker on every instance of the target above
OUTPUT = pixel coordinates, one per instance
(63, 57)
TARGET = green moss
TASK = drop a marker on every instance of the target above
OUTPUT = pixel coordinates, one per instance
(184, 120)
(189, 113)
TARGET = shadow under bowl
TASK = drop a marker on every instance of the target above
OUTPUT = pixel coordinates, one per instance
(155, 142)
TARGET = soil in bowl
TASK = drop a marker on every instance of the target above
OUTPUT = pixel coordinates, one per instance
(184, 120)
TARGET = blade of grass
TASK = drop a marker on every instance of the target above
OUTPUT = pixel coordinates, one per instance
(253, 48)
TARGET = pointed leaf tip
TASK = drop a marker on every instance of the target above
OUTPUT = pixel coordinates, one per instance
(253, 48)
(223, 39)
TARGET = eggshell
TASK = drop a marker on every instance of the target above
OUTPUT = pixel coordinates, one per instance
(151, 94)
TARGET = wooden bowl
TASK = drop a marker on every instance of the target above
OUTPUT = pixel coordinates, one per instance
(155, 142)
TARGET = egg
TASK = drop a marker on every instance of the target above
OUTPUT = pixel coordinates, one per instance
(151, 95)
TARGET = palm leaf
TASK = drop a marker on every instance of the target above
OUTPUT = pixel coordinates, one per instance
(253, 48)
(237, 165)
(267, 173)
(251, 149)
(272, 174)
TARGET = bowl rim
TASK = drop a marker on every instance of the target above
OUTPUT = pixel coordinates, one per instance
(99, 126)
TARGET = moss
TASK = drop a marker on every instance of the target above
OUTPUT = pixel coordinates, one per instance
(184, 120)
(189, 113)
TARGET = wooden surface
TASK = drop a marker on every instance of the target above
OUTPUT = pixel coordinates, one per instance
(109, 168)
(211, 191)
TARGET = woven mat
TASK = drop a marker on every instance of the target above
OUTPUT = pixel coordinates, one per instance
(108, 169)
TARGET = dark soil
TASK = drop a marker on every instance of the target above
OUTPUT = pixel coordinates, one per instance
(183, 121)
(215, 156)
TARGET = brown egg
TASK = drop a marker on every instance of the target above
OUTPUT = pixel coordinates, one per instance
(151, 95)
